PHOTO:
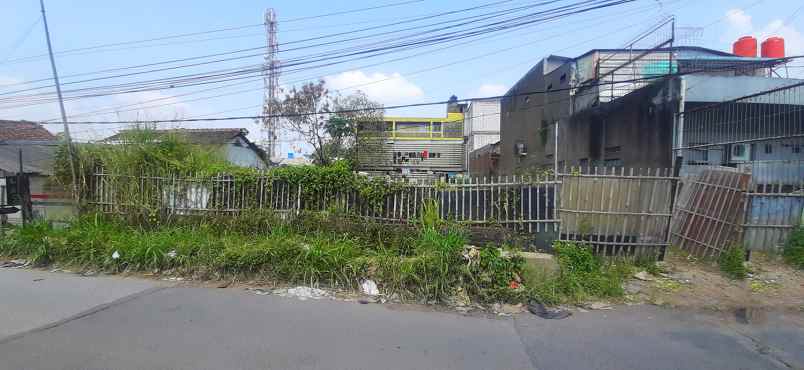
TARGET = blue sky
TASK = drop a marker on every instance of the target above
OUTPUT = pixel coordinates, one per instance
(481, 67)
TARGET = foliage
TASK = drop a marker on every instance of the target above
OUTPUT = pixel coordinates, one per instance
(731, 263)
(427, 265)
(332, 136)
(357, 115)
(144, 153)
(794, 249)
(430, 217)
(581, 276)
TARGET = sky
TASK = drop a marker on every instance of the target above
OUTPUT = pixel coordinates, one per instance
(484, 66)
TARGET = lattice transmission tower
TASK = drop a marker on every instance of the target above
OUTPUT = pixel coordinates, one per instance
(270, 124)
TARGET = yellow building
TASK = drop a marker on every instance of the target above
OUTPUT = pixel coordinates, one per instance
(418, 146)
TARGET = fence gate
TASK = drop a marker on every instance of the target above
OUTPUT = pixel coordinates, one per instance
(615, 211)
(709, 211)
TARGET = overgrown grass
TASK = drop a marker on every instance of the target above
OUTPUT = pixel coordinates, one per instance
(581, 276)
(428, 265)
(794, 249)
(731, 263)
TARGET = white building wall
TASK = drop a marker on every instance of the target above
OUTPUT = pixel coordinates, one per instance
(240, 154)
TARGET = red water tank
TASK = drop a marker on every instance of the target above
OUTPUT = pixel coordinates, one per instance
(773, 47)
(746, 46)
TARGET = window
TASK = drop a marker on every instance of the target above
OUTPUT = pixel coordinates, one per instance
(527, 99)
(739, 150)
(613, 149)
(584, 162)
(563, 77)
(796, 149)
(768, 148)
(436, 126)
(549, 87)
(549, 156)
(613, 162)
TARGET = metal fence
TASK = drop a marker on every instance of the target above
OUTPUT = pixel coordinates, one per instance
(709, 211)
(761, 135)
(617, 210)
(770, 219)
(627, 209)
(521, 203)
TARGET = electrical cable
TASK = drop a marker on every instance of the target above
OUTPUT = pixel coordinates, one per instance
(376, 52)
(527, 93)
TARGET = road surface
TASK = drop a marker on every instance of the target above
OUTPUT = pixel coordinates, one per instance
(64, 321)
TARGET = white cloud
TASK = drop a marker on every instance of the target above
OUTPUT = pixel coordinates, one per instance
(6, 80)
(148, 105)
(490, 90)
(739, 23)
(739, 20)
(793, 38)
(385, 88)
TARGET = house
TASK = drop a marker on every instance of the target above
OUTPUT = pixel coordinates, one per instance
(481, 128)
(233, 144)
(34, 147)
(416, 146)
(607, 109)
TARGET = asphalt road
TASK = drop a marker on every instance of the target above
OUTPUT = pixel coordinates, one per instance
(62, 321)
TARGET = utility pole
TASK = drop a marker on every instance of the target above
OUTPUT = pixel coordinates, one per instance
(271, 86)
(70, 149)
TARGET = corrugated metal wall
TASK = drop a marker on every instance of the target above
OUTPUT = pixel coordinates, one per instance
(394, 156)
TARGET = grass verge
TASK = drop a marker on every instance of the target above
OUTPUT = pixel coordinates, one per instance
(794, 249)
(429, 265)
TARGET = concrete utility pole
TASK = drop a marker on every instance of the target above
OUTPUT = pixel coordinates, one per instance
(70, 149)
(271, 86)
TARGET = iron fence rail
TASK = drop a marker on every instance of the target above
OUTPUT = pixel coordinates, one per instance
(634, 206)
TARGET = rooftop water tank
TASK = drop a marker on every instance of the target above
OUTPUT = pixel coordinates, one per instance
(773, 47)
(746, 46)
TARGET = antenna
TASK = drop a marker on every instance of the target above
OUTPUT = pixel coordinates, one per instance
(271, 85)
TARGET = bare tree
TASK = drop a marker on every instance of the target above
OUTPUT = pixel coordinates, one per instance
(330, 124)
(305, 112)
(355, 127)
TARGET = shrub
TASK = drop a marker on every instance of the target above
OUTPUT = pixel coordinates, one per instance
(794, 249)
(581, 276)
(429, 265)
(731, 263)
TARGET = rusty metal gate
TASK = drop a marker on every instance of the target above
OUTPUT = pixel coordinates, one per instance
(709, 211)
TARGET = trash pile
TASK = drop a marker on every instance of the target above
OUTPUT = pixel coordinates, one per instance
(14, 264)
(301, 292)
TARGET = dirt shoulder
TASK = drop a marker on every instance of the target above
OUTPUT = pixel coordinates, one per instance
(690, 283)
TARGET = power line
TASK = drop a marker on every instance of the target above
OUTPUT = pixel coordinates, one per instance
(451, 63)
(183, 35)
(20, 40)
(344, 88)
(352, 11)
(430, 16)
(528, 93)
(464, 20)
(501, 25)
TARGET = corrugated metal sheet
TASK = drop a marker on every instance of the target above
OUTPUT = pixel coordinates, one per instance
(394, 156)
(771, 218)
(478, 141)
